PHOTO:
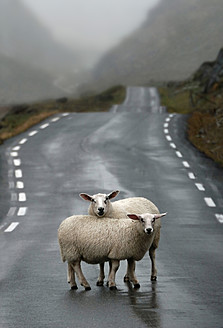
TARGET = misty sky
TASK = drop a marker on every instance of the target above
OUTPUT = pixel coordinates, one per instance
(91, 24)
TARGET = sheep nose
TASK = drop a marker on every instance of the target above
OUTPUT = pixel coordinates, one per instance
(149, 230)
(101, 209)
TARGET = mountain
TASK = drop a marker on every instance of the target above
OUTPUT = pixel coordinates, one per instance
(176, 37)
(31, 60)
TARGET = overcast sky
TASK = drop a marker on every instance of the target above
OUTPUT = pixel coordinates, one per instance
(95, 24)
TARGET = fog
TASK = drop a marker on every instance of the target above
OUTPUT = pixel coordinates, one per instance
(90, 26)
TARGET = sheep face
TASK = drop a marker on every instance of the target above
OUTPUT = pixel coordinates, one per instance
(147, 220)
(100, 203)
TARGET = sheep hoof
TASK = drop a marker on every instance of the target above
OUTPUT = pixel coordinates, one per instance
(153, 278)
(126, 279)
(88, 288)
(73, 287)
(113, 288)
(136, 286)
(99, 283)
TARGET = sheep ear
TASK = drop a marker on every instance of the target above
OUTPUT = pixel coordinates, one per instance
(86, 197)
(113, 194)
(133, 216)
(157, 216)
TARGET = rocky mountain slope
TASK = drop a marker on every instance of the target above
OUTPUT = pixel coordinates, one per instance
(177, 36)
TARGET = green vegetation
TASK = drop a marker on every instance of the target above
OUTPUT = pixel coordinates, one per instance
(22, 117)
(205, 124)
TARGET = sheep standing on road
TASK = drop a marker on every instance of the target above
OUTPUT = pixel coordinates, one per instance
(101, 206)
(85, 238)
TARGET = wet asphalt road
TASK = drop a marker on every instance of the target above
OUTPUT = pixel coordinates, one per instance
(142, 152)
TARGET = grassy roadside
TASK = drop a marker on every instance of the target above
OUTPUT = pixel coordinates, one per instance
(21, 117)
(205, 124)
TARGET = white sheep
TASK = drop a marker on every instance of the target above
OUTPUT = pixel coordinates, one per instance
(85, 238)
(100, 206)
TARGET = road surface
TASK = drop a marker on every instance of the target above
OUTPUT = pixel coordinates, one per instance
(141, 150)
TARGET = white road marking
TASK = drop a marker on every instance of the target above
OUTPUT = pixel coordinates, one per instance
(178, 153)
(169, 138)
(17, 162)
(44, 126)
(10, 173)
(31, 134)
(13, 197)
(12, 227)
(11, 211)
(219, 217)
(191, 175)
(18, 173)
(200, 186)
(209, 201)
(166, 131)
(65, 114)
(22, 197)
(16, 148)
(14, 154)
(23, 141)
(11, 185)
(167, 119)
(173, 145)
(186, 164)
(19, 185)
(165, 125)
(22, 211)
(55, 119)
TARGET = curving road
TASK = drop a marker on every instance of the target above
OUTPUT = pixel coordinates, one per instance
(140, 149)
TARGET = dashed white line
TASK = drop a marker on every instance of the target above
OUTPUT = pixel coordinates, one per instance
(209, 201)
(166, 131)
(200, 186)
(186, 164)
(168, 138)
(167, 119)
(55, 119)
(44, 126)
(22, 197)
(173, 145)
(17, 162)
(19, 185)
(219, 217)
(14, 154)
(11, 185)
(22, 211)
(32, 133)
(165, 125)
(12, 227)
(21, 142)
(11, 211)
(18, 173)
(65, 114)
(178, 153)
(191, 175)
(10, 173)
(13, 197)
(16, 148)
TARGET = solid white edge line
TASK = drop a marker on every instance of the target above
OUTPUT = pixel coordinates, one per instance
(209, 201)
(11, 227)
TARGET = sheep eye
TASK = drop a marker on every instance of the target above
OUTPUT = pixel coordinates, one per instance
(105, 201)
(141, 219)
(153, 220)
(93, 201)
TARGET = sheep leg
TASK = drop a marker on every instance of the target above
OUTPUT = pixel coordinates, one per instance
(71, 277)
(101, 276)
(114, 265)
(152, 255)
(131, 273)
(82, 280)
(126, 277)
